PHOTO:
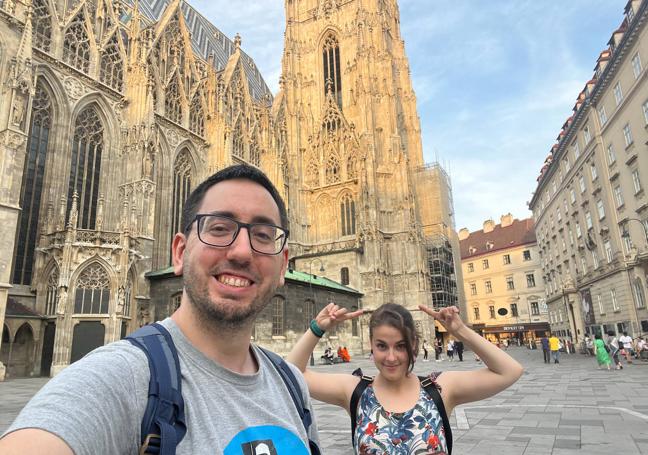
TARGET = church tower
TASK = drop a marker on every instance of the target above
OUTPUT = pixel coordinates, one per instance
(355, 149)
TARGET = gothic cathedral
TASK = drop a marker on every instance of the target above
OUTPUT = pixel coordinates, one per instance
(112, 111)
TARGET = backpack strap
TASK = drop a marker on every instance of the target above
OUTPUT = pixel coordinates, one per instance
(355, 399)
(295, 391)
(163, 424)
(432, 389)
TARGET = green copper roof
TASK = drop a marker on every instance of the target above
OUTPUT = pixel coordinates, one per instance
(293, 275)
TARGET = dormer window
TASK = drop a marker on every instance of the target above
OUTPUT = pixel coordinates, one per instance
(489, 245)
(472, 250)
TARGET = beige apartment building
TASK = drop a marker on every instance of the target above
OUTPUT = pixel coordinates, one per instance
(505, 296)
(590, 206)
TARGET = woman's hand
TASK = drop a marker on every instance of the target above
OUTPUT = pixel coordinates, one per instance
(448, 317)
(332, 315)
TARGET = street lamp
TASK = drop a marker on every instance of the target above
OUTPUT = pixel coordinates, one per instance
(310, 286)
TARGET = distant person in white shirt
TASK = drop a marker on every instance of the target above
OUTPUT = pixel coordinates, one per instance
(627, 346)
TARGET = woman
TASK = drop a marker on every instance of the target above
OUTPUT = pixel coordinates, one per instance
(396, 411)
(425, 350)
(450, 350)
(600, 350)
(613, 344)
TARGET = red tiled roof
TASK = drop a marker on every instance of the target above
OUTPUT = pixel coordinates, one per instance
(519, 233)
(18, 309)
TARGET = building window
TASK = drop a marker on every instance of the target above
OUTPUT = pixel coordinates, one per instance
(510, 285)
(599, 300)
(618, 93)
(645, 111)
(32, 186)
(602, 115)
(618, 196)
(471, 267)
(476, 313)
(85, 170)
(613, 298)
(197, 123)
(41, 25)
(578, 231)
(636, 66)
(640, 297)
(92, 291)
(111, 70)
(526, 255)
(473, 289)
(76, 45)
(588, 220)
(278, 309)
(181, 189)
(488, 286)
(636, 181)
(627, 135)
(595, 259)
(576, 149)
(608, 251)
(514, 310)
(344, 276)
(572, 195)
(52, 293)
(507, 259)
(332, 68)
(566, 206)
(347, 215)
(238, 144)
(333, 171)
(583, 264)
(484, 264)
(593, 172)
(491, 310)
(611, 156)
(530, 277)
(571, 236)
(535, 309)
(586, 134)
(567, 165)
(627, 243)
(172, 100)
(600, 209)
(581, 184)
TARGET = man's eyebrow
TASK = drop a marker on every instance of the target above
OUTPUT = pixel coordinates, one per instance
(256, 219)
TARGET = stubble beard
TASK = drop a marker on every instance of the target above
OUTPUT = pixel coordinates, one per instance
(216, 315)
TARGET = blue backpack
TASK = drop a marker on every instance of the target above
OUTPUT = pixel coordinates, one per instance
(163, 424)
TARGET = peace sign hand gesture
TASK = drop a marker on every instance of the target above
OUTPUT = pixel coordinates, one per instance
(332, 315)
(448, 317)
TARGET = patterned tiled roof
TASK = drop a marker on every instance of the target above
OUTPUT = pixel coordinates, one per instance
(207, 39)
(519, 233)
(16, 309)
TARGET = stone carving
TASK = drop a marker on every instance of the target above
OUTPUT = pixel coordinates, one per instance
(18, 111)
(62, 301)
(74, 88)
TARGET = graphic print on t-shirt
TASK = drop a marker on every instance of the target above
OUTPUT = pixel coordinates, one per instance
(266, 440)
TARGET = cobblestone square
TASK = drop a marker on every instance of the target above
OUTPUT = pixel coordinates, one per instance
(564, 409)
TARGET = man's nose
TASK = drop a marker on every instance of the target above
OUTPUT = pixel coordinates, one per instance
(241, 249)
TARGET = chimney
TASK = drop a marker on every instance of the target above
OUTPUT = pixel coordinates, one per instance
(506, 220)
(464, 233)
(489, 225)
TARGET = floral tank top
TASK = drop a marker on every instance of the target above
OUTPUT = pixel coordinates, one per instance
(417, 431)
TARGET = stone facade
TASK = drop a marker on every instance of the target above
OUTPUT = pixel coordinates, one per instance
(590, 206)
(112, 112)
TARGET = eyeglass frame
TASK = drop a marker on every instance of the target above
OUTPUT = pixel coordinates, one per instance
(239, 225)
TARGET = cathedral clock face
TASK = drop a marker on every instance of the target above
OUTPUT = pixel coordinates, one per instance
(502, 311)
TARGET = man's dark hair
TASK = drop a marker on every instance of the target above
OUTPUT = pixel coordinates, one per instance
(238, 171)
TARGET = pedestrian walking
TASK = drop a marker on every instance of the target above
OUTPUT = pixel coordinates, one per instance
(425, 350)
(601, 352)
(544, 341)
(613, 344)
(625, 342)
(438, 349)
(450, 350)
(459, 349)
(554, 347)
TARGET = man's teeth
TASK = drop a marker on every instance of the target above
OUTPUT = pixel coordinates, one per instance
(236, 282)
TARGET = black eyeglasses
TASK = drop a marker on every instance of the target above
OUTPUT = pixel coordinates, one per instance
(221, 231)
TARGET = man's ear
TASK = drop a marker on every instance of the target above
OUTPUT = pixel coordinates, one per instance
(177, 251)
(284, 266)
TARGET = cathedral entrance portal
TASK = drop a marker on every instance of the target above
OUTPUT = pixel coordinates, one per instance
(48, 348)
(88, 335)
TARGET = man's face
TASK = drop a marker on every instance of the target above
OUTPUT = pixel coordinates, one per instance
(231, 285)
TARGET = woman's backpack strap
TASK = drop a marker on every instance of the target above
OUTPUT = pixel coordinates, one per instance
(433, 390)
(355, 399)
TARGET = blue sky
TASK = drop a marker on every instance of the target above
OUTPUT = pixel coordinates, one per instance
(495, 80)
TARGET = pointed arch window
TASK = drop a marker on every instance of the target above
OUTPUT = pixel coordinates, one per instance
(197, 116)
(332, 169)
(255, 154)
(52, 293)
(85, 170)
(111, 72)
(32, 185)
(127, 299)
(278, 315)
(312, 174)
(331, 66)
(181, 189)
(76, 45)
(42, 25)
(347, 215)
(172, 105)
(238, 147)
(92, 291)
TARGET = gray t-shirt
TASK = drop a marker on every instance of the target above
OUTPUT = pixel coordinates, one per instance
(96, 405)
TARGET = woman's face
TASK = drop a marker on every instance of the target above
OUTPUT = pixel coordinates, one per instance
(390, 352)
